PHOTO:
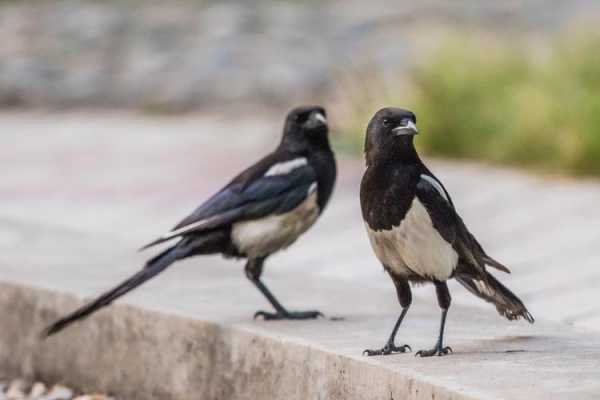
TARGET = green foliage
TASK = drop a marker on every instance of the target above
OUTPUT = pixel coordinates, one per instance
(495, 102)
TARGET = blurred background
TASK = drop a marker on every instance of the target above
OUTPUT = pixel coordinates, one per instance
(119, 117)
(511, 81)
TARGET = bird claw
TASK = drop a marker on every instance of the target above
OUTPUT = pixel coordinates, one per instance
(269, 316)
(439, 351)
(387, 350)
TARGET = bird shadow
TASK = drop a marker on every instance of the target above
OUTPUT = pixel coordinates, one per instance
(518, 345)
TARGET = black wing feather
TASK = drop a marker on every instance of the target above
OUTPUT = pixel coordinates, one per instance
(450, 225)
(252, 199)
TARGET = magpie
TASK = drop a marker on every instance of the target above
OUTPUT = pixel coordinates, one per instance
(415, 230)
(261, 211)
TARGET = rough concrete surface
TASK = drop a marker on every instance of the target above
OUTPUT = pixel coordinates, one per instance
(143, 354)
(81, 192)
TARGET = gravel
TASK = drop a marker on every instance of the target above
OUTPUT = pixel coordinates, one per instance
(22, 389)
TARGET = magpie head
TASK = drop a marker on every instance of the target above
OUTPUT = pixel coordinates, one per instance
(306, 126)
(390, 134)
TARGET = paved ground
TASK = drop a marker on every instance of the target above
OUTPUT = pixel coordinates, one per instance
(80, 192)
(122, 179)
(203, 344)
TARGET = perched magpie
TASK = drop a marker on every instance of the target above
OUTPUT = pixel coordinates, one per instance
(261, 211)
(415, 231)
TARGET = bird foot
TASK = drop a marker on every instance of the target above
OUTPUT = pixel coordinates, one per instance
(387, 350)
(436, 351)
(269, 316)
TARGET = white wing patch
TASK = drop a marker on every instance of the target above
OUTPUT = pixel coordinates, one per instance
(415, 247)
(436, 186)
(286, 167)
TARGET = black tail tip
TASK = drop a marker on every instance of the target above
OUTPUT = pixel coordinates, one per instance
(50, 330)
(45, 334)
(515, 315)
(528, 317)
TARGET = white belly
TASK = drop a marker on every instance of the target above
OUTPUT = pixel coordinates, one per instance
(415, 247)
(264, 236)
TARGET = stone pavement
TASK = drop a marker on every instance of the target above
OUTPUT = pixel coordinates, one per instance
(125, 178)
(81, 192)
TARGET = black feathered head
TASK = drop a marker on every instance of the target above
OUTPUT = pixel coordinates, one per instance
(306, 127)
(390, 135)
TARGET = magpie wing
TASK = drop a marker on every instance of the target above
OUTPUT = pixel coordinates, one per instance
(245, 199)
(448, 223)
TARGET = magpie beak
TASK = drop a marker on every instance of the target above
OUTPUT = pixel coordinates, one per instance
(409, 128)
(316, 118)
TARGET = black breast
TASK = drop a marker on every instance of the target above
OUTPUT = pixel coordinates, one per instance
(386, 194)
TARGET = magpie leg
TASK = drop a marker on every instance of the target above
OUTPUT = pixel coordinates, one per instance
(253, 271)
(390, 347)
(444, 301)
(405, 299)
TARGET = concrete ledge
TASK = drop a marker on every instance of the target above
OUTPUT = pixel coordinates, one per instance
(71, 222)
(143, 354)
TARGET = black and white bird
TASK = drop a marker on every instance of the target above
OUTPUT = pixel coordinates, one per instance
(415, 231)
(261, 211)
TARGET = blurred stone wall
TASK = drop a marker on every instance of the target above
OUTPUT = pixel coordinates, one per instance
(179, 55)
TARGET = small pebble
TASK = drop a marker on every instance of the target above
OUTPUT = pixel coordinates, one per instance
(37, 391)
(59, 392)
(16, 390)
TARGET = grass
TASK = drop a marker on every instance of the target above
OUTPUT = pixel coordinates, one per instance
(496, 102)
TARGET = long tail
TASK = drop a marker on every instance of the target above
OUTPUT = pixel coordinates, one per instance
(152, 268)
(492, 291)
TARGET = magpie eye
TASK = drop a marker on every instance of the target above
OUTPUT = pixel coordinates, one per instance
(385, 122)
